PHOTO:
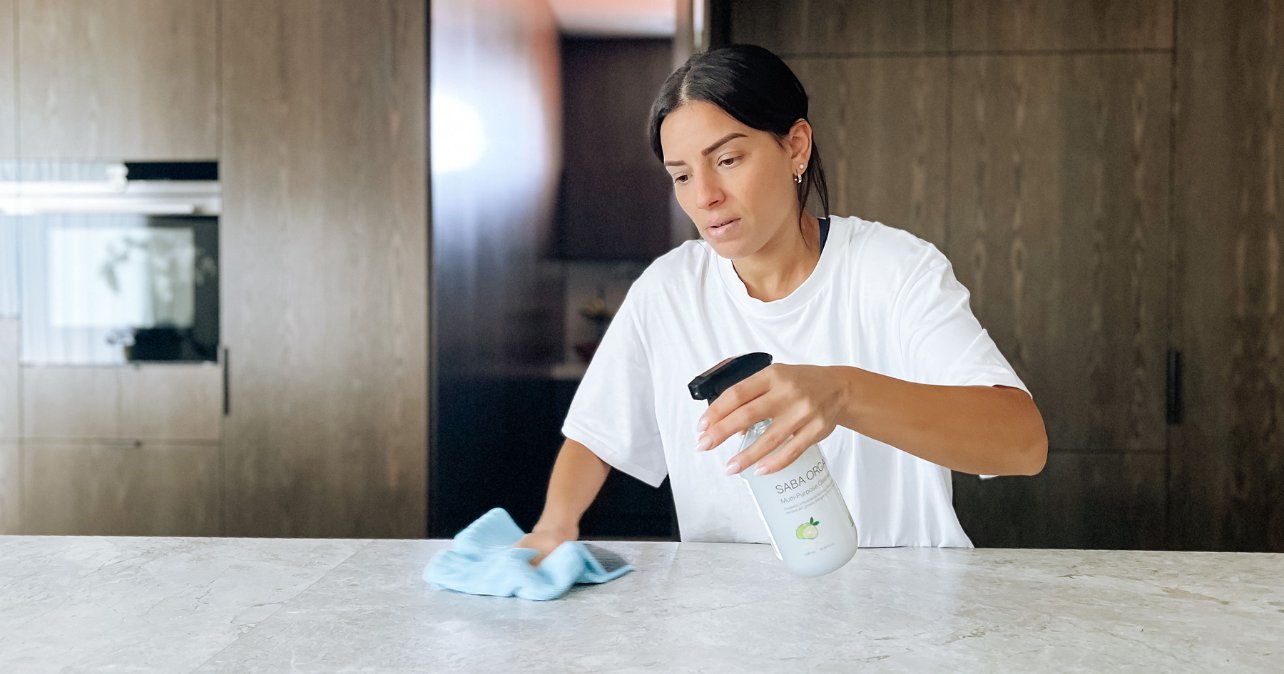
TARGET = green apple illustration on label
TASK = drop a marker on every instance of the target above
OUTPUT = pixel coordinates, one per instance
(807, 530)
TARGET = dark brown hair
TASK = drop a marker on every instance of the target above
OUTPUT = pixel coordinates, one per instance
(756, 88)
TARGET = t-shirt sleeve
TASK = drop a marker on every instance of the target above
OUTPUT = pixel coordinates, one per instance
(941, 340)
(613, 411)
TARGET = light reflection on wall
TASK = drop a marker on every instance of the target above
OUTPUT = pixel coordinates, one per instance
(496, 306)
(459, 139)
(496, 155)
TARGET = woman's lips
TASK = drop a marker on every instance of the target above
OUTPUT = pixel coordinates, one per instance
(724, 228)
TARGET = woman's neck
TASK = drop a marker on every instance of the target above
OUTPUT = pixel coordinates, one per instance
(783, 264)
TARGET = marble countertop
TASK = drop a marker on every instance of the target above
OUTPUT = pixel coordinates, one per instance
(180, 604)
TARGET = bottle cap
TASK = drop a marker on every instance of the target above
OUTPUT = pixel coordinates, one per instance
(717, 379)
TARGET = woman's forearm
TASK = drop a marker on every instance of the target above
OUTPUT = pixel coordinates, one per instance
(985, 430)
(578, 475)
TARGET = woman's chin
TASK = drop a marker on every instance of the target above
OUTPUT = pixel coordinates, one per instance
(730, 250)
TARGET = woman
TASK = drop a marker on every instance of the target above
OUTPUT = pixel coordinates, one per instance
(878, 356)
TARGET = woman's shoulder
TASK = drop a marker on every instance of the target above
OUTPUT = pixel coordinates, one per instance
(683, 264)
(885, 251)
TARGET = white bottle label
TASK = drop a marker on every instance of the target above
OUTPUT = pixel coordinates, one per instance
(805, 514)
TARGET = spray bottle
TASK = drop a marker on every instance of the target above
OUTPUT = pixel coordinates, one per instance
(806, 517)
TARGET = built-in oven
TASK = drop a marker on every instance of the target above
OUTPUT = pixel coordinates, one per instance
(117, 262)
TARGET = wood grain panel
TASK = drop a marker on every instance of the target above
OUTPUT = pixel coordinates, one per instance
(1083, 501)
(1227, 469)
(880, 125)
(127, 79)
(70, 403)
(1059, 226)
(1061, 24)
(10, 380)
(171, 402)
(324, 243)
(840, 27)
(10, 488)
(8, 80)
(121, 490)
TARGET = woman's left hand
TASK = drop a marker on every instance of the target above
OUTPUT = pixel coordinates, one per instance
(804, 401)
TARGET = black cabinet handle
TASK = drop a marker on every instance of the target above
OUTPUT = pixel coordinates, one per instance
(227, 393)
(1172, 394)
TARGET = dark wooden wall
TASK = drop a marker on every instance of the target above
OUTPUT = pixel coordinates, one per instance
(1106, 178)
(1227, 472)
(614, 195)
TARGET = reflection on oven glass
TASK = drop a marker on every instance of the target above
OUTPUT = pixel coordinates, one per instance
(110, 275)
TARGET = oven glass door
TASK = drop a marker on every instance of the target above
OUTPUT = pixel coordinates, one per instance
(111, 288)
(112, 270)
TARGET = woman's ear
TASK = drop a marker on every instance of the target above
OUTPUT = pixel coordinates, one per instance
(799, 142)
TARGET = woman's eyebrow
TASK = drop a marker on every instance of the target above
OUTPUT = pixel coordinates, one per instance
(705, 152)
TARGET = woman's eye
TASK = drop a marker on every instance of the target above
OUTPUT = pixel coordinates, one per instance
(728, 161)
(677, 180)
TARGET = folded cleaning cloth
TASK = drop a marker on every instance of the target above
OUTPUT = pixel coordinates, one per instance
(482, 560)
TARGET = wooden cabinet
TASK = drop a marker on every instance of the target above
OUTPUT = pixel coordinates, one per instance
(127, 489)
(153, 402)
(107, 450)
(325, 279)
(8, 262)
(324, 266)
(1226, 465)
(126, 79)
(1059, 227)
(834, 27)
(172, 403)
(8, 83)
(894, 110)
(1011, 25)
(10, 383)
(1086, 500)
(70, 403)
(10, 487)
(118, 450)
(10, 415)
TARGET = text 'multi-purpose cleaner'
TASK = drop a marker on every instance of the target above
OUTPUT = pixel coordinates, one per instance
(807, 519)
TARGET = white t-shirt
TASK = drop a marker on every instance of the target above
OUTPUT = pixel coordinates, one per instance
(880, 299)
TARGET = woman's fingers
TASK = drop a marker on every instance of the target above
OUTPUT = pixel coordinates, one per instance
(791, 449)
(543, 542)
(744, 408)
(754, 453)
(740, 394)
(773, 446)
(797, 420)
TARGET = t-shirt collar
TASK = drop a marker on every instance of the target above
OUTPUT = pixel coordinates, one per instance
(833, 249)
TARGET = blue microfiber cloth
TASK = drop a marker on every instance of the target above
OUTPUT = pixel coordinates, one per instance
(482, 560)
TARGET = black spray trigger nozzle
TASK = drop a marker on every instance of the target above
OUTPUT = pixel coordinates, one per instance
(716, 380)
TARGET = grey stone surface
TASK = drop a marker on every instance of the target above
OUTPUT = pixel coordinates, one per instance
(246, 605)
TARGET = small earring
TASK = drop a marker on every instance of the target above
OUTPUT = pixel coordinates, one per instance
(798, 179)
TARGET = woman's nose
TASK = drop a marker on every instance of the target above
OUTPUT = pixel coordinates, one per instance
(708, 192)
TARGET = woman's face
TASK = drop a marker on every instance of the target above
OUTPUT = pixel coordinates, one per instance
(734, 182)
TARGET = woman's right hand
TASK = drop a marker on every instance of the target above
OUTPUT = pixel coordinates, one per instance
(577, 477)
(545, 539)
